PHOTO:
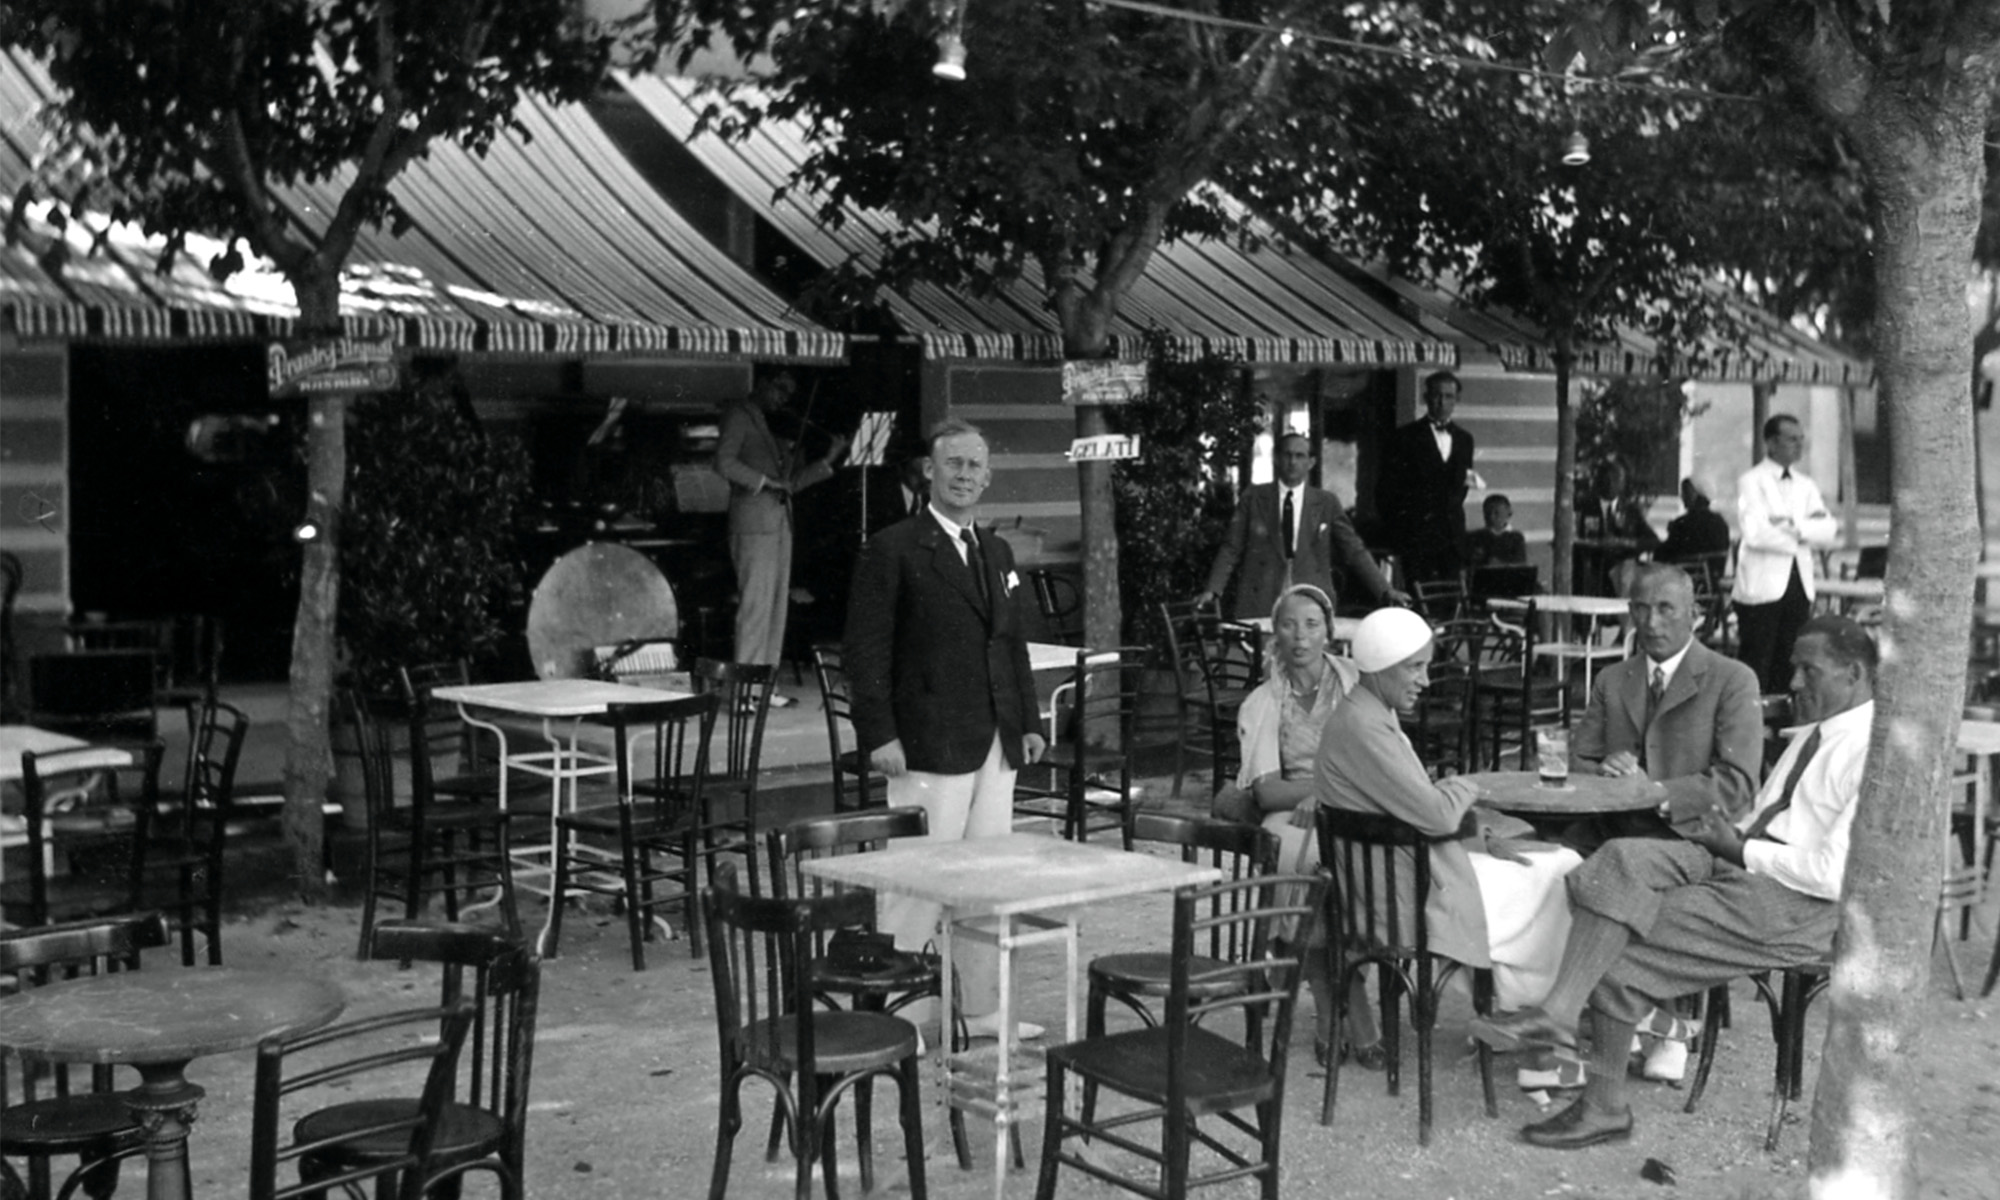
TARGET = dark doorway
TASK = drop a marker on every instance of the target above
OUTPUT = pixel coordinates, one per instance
(184, 485)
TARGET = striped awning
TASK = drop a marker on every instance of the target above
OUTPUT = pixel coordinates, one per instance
(1773, 351)
(1266, 301)
(549, 244)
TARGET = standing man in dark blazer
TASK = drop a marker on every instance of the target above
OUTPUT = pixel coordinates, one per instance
(937, 662)
(1274, 555)
(1425, 475)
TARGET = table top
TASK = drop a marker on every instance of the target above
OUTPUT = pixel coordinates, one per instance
(165, 1015)
(1979, 737)
(15, 739)
(1005, 875)
(1853, 589)
(1571, 605)
(1585, 795)
(1054, 656)
(554, 697)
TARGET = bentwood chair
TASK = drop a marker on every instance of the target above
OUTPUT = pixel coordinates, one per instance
(654, 825)
(772, 1029)
(450, 850)
(300, 1068)
(70, 1110)
(849, 762)
(1221, 1047)
(89, 813)
(1086, 775)
(743, 696)
(1381, 882)
(188, 841)
(441, 731)
(1191, 628)
(483, 1125)
(1787, 1001)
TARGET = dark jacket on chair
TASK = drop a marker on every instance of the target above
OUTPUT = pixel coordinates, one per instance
(927, 661)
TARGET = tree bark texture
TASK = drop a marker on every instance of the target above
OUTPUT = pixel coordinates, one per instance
(1922, 149)
(308, 749)
(1561, 570)
(1086, 334)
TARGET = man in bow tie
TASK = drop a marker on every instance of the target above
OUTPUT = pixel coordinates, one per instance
(1287, 533)
(937, 664)
(1426, 472)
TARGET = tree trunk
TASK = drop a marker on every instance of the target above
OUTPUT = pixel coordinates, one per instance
(308, 752)
(1087, 335)
(1923, 152)
(1565, 507)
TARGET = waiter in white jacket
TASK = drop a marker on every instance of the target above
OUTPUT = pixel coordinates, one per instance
(1783, 519)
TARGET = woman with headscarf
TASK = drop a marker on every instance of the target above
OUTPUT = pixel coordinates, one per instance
(1497, 897)
(1278, 730)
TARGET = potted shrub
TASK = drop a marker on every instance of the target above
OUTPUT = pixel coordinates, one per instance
(428, 547)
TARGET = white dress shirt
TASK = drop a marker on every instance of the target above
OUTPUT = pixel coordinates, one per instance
(1810, 853)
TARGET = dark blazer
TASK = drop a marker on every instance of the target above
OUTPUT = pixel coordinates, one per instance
(927, 661)
(1422, 498)
(1256, 544)
(1706, 742)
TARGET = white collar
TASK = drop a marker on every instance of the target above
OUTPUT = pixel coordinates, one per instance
(1669, 665)
(1850, 721)
(952, 528)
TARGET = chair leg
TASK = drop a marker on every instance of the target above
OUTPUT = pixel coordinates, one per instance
(1482, 1002)
(864, 1125)
(368, 891)
(1715, 1003)
(1052, 1131)
(1993, 966)
(630, 858)
(728, 1122)
(910, 1105)
(1423, 1014)
(558, 892)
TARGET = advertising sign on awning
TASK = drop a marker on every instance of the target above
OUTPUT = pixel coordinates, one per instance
(315, 366)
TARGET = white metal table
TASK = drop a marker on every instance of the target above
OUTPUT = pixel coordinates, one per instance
(1001, 891)
(564, 764)
(16, 740)
(1586, 649)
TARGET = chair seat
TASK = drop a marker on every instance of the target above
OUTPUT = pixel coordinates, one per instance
(1222, 1075)
(604, 819)
(1150, 972)
(64, 1124)
(463, 1132)
(842, 1041)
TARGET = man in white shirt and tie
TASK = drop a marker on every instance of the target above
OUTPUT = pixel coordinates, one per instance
(1658, 918)
(1783, 519)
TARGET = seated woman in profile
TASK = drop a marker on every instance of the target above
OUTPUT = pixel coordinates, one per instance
(1278, 729)
(1497, 898)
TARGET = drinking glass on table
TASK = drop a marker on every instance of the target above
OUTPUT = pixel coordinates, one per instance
(1552, 755)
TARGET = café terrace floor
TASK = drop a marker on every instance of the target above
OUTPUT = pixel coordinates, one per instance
(625, 1093)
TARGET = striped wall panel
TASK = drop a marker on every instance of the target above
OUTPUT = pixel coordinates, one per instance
(34, 464)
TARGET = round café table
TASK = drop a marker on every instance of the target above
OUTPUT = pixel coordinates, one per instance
(159, 1022)
(1522, 794)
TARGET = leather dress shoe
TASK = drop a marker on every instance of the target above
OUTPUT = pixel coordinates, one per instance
(1527, 1027)
(1578, 1126)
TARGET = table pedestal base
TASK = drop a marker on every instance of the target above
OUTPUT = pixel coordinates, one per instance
(164, 1105)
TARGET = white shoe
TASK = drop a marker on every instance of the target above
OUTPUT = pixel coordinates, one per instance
(987, 1025)
(1667, 1062)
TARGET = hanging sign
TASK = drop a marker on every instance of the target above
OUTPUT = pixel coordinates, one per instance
(1105, 447)
(314, 366)
(1102, 381)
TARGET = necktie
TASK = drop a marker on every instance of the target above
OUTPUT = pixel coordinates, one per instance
(976, 561)
(1654, 692)
(1760, 827)
(916, 503)
(1786, 474)
(1288, 524)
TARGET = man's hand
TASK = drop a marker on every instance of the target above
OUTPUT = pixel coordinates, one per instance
(1460, 789)
(1032, 746)
(1624, 762)
(1396, 597)
(1719, 837)
(1506, 849)
(888, 760)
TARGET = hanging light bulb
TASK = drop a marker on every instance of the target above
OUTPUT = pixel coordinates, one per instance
(951, 57)
(1576, 149)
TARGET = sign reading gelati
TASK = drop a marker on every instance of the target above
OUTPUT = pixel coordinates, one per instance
(1102, 381)
(1105, 447)
(331, 365)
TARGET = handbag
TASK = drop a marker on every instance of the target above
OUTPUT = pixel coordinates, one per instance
(867, 952)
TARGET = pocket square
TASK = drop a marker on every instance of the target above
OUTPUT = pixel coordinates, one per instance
(1011, 582)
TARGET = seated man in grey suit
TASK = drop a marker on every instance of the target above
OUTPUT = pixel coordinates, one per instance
(1653, 919)
(1679, 714)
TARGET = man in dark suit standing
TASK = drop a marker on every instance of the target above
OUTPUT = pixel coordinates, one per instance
(937, 661)
(1288, 533)
(1425, 474)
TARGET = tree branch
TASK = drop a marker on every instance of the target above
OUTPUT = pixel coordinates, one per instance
(244, 176)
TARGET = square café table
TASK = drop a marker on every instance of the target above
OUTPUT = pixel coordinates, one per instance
(563, 764)
(1001, 890)
(16, 740)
